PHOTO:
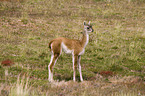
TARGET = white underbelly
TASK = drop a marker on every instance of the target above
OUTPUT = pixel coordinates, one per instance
(65, 49)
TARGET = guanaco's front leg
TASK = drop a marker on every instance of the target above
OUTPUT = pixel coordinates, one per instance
(75, 62)
(79, 59)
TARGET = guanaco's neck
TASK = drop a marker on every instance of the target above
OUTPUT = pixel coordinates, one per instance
(85, 39)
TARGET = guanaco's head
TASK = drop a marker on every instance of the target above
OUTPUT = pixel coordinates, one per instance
(88, 27)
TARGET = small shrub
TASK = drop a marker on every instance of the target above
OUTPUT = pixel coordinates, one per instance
(106, 73)
(7, 62)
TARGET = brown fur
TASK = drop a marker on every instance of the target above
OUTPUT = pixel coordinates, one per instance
(72, 44)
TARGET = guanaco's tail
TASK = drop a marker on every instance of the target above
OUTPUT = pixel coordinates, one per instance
(49, 45)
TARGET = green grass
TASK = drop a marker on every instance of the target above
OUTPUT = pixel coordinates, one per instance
(117, 44)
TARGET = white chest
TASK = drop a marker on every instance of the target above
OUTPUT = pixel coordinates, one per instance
(65, 49)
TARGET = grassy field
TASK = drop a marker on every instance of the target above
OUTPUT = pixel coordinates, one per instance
(117, 46)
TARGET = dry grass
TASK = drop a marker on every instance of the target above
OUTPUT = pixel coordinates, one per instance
(117, 86)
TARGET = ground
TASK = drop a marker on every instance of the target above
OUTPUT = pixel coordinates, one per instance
(113, 63)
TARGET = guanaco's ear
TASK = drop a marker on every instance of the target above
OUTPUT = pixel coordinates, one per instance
(89, 22)
(84, 23)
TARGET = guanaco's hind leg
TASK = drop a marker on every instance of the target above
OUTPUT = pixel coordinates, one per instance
(56, 50)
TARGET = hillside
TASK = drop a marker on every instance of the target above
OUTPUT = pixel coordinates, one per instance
(114, 58)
